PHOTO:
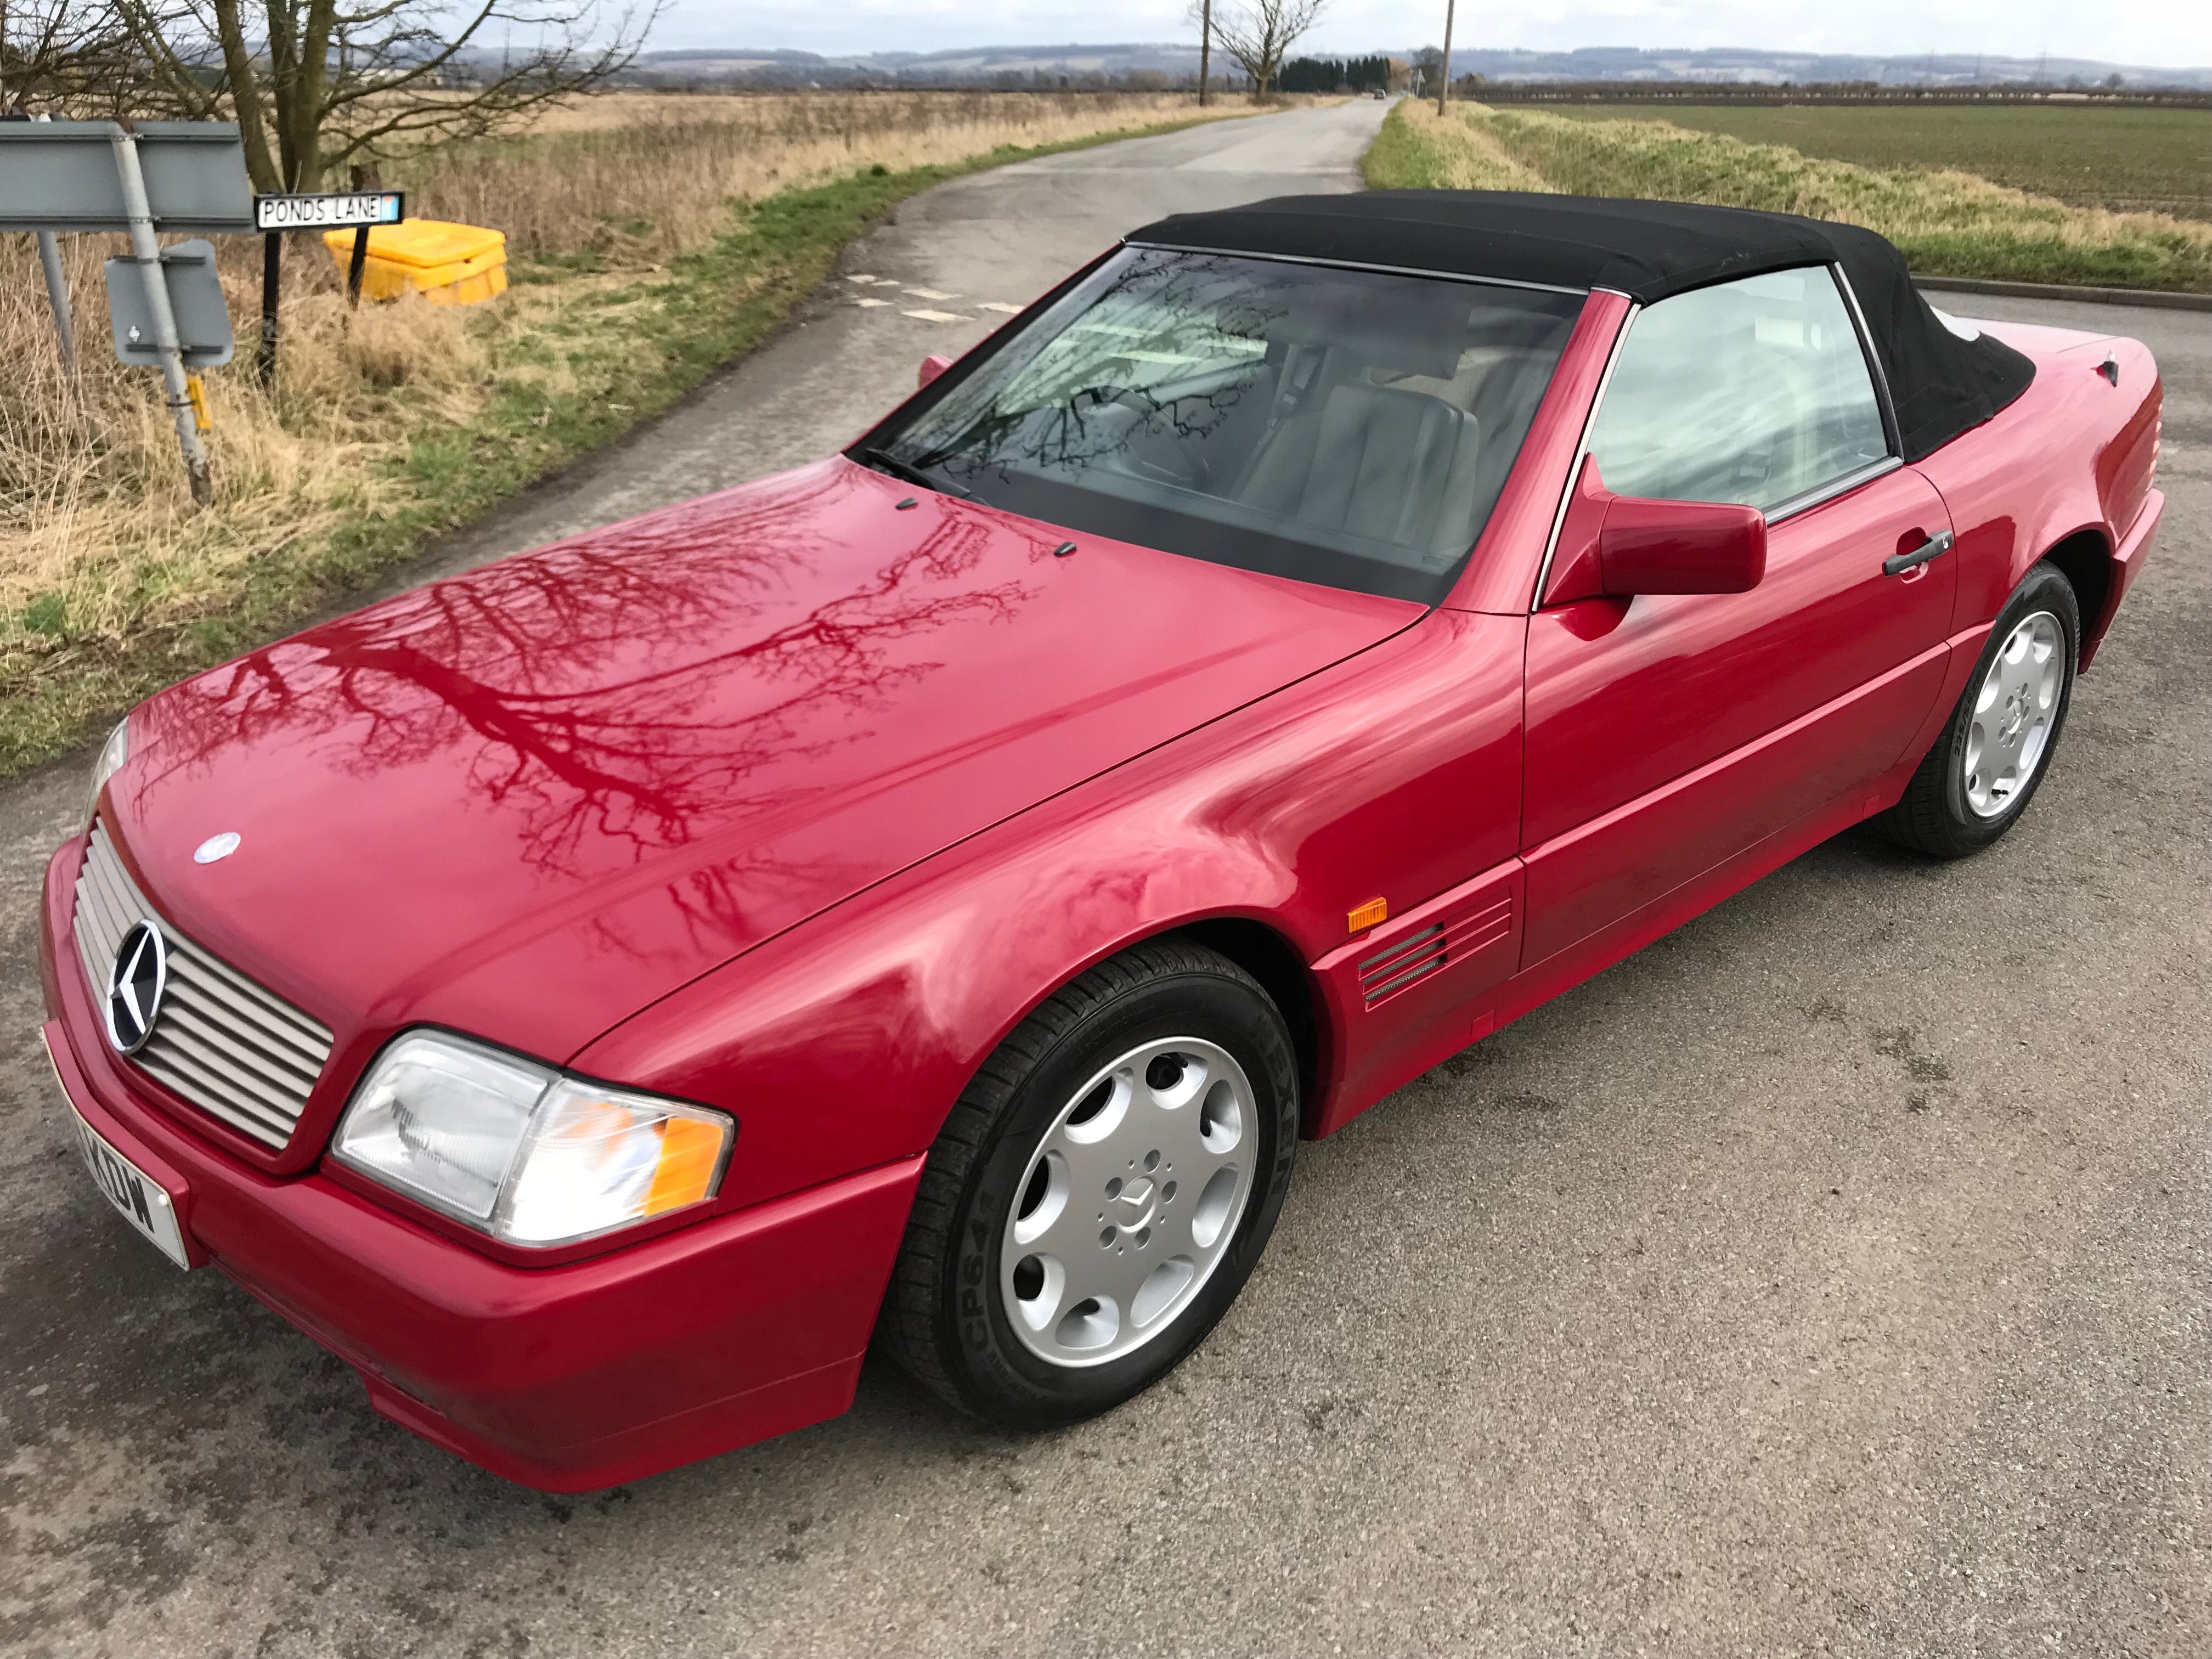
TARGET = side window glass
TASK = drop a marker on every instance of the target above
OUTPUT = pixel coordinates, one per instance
(1752, 391)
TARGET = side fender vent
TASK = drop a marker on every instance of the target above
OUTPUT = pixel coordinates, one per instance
(1404, 962)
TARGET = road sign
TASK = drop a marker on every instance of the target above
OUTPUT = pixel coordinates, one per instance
(203, 321)
(329, 212)
(60, 175)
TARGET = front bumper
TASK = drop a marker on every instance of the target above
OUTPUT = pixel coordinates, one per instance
(567, 1378)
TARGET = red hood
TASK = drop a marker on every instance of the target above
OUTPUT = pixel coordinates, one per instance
(529, 801)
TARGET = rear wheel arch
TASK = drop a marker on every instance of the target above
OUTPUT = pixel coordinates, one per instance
(2085, 559)
(1992, 753)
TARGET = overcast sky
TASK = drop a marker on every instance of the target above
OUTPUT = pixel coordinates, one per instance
(2169, 33)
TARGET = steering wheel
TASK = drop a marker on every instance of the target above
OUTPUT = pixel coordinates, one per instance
(1196, 473)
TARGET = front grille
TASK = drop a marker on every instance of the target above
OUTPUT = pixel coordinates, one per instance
(239, 1053)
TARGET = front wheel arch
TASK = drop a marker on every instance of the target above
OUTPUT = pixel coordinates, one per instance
(939, 1319)
(1270, 957)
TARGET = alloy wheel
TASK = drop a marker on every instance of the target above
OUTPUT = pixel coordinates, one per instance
(2010, 726)
(1129, 1202)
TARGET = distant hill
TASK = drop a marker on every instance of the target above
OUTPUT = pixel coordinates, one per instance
(1172, 62)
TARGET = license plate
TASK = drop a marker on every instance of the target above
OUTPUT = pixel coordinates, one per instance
(136, 1196)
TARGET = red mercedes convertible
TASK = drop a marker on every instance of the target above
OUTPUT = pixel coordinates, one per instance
(925, 897)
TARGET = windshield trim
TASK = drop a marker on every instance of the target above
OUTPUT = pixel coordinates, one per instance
(1361, 265)
(1437, 585)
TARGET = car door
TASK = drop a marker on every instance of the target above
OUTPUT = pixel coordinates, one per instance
(1667, 733)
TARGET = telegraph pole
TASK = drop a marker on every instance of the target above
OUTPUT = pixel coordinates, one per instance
(1205, 47)
(1443, 86)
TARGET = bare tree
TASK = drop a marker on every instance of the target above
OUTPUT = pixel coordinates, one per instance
(316, 84)
(1260, 33)
(63, 57)
(1427, 72)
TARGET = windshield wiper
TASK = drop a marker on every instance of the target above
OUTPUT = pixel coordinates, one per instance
(883, 461)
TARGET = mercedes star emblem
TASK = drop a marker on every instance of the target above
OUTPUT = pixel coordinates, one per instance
(134, 989)
(215, 846)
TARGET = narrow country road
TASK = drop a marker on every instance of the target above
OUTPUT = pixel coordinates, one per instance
(1830, 1277)
(952, 265)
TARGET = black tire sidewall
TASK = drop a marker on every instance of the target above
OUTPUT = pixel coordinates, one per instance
(2044, 588)
(999, 1374)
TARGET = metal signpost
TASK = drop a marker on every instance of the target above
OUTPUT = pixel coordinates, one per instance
(143, 179)
(184, 407)
(274, 215)
(197, 311)
(57, 294)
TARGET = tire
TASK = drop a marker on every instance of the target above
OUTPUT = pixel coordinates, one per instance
(1950, 810)
(975, 1312)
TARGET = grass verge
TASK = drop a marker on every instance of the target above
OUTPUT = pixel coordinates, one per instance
(2129, 157)
(1948, 223)
(447, 413)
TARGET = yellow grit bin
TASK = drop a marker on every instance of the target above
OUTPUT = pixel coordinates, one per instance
(448, 265)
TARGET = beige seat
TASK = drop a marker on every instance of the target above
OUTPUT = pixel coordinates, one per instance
(1398, 464)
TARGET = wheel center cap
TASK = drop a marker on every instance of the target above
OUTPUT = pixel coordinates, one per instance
(1131, 1208)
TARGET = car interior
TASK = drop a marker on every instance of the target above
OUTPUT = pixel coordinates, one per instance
(1375, 415)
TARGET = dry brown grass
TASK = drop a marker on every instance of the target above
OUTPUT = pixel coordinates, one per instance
(644, 175)
(98, 530)
(100, 548)
(1420, 150)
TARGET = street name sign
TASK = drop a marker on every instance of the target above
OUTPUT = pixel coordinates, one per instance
(329, 211)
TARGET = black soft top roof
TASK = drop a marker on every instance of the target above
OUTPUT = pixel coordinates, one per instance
(1941, 385)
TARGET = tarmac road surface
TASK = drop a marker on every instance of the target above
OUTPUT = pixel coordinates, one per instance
(1830, 1277)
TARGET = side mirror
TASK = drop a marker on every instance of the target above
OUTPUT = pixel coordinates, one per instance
(1680, 547)
(1619, 546)
(932, 366)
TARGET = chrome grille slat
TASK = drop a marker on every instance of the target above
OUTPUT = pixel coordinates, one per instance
(223, 1035)
(186, 1050)
(192, 1006)
(108, 908)
(241, 989)
(232, 1048)
(208, 1092)
(222, 984)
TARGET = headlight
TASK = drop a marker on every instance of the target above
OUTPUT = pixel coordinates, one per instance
(520, 1151)
(112, 754)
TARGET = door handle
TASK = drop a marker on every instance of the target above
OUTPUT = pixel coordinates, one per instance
(1934, 548)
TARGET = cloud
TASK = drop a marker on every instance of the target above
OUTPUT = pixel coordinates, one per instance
(2166, 34)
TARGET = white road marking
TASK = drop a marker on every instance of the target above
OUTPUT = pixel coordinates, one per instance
(930, 294)
(871, 302)
(860, 279)
(937, 317)
(993, 305)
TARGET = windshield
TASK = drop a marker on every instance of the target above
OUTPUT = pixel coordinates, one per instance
(1335, 425)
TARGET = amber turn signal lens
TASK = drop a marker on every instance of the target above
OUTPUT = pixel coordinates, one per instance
(599, 1159)
(690, 1151)
(1367, 915)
